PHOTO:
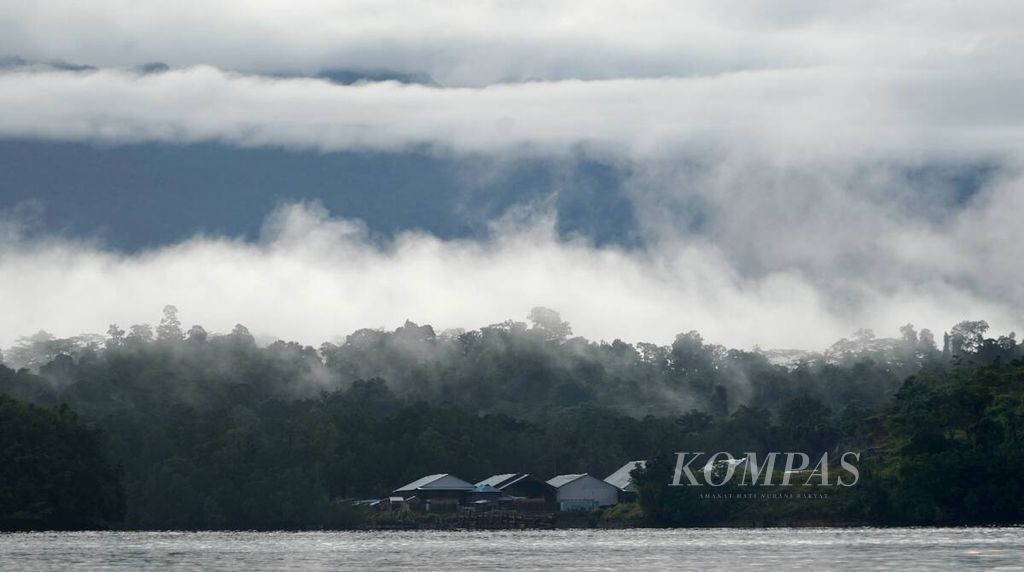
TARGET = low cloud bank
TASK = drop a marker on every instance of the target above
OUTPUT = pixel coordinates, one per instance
(467, 42)
(787, 116)
(312, 277)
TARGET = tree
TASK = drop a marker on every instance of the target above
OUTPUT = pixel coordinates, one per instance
(197, 334)
(550, 324)
(967, 337)
(139, 335)
(689, 355)
(169, 329)
(241, 336)
(909, 335)
(40, 348)
(115, 337)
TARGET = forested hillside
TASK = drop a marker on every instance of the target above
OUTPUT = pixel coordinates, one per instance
(214, 431)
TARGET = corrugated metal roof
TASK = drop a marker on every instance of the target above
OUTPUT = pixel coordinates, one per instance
(562, 480)
(497, 480)
(505, 480)
(514, 480)
(621, 478)
(486, 489)
(438, 482)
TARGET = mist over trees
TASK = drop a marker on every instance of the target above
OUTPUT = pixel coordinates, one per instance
(215, 431)
(511, 367)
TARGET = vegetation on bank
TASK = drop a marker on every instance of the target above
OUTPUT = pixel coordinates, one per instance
(948, 449)
(53, 471)
(184, 429)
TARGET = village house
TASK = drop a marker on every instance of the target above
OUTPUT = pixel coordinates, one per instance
(582, 492)
(622, 479)
(485, 496)
(528, 492)
(521, 491)
(440, 492)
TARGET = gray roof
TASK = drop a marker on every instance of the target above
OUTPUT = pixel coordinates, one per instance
(438, 482)
(562, 480)
(486, 489)
(504, 480)
(496, 480)
(621, 478)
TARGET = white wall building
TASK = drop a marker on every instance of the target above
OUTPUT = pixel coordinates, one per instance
(583, 492)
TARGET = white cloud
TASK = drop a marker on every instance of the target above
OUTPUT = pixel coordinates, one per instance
(789, 115)
(312, 278)
(769, 146)
(467, 42)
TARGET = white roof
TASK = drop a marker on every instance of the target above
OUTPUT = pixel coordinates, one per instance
(438, 482)
(562, 480)
(506, 480)
(495, 480)
(621, 478)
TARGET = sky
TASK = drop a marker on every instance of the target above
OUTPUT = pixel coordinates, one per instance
(775, 174)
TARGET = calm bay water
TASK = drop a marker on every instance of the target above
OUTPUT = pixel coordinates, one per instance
(702, 549)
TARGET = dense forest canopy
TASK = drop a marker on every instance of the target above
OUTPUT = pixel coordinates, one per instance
(511, 367)
(217, 431)
(53, 467)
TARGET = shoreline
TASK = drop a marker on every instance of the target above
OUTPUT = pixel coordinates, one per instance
(571, 526)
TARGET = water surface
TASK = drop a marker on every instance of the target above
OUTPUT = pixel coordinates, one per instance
(640, 549)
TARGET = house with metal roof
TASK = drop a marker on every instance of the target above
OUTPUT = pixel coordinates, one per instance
(581, 491)
(622, 479)
(485, 496)
(527, 491)
(435, 492)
